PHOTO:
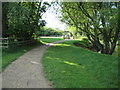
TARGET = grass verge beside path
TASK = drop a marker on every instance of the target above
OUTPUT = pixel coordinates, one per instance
(11, 54)
(68, 66)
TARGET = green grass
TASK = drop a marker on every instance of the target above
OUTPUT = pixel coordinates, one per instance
(68, 66)
(50, 39)
(11, 54)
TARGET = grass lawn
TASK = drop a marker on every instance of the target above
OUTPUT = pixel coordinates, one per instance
(50, 39)
(68, 66)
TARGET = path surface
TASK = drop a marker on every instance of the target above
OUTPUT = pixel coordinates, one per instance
(27, 70)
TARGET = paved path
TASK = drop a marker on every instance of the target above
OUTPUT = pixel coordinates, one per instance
(27, 71)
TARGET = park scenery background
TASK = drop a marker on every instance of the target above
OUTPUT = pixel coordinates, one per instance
(78, 44)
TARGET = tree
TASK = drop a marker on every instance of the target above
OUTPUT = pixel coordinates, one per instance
(24, 18)
(97, 20)
(47, 31)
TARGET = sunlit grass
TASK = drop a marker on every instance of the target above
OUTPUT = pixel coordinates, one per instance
(62, 45)
(73, 64)
(50, 37)
(68, 66)
(45, 40)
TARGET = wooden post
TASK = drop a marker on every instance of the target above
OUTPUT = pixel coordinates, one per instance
(7, 42)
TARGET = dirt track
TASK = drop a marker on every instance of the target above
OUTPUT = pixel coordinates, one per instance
(27, 70)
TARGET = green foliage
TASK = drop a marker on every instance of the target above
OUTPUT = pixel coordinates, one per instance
(84, 42)
(45, 31)
(67, 66)
(25, 18)
(96, 20)
(73, 30)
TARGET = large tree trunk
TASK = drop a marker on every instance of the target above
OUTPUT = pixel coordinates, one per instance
(116, 37)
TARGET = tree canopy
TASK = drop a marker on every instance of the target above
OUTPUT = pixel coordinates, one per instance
(23, 19)
(97, 20)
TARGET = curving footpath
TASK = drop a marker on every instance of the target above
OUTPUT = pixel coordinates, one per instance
(27, 70)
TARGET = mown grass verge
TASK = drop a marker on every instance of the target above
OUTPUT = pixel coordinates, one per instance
(50, 39)
(68, 66)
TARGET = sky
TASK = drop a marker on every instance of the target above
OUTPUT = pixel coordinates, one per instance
(52, 20)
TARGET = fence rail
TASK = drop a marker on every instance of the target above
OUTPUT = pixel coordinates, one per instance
(9, 42)
(4, 42)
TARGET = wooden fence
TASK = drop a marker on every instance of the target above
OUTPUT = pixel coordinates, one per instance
(4, 42)
(11, 42)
